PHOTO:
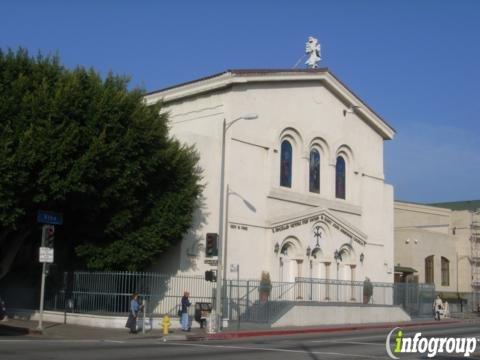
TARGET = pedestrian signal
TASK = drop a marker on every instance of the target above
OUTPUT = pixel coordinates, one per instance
(211, 248)
(210, 275)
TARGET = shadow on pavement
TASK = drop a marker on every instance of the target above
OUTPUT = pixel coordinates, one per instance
(309, 352)
(6, 330)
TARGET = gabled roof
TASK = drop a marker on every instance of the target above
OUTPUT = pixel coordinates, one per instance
(241, 76)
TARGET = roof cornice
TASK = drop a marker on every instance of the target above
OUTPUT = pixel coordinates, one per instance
(402, 205)
(233, 77)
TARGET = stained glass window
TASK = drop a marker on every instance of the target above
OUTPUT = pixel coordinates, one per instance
(286, 164)
(314, 171)
(340, 178)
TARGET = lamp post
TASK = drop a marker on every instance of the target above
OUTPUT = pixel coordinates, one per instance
(221, 222)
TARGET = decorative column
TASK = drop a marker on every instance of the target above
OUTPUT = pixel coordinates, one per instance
(327, 278)
(301, 283)
(352, 279)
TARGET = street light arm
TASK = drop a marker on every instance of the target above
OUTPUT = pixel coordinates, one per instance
(244, 117)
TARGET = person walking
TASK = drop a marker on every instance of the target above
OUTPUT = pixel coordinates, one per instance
(185, 305)
(133, 314)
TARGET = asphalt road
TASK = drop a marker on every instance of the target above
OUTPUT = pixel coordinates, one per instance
(345, 345)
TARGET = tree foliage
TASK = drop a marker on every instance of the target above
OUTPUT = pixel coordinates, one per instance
(74, 142)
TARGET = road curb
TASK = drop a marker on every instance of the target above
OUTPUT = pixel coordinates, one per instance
(20, 330)
(280, 332)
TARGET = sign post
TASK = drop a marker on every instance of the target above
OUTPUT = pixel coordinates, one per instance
(236, 268)
(45, 254)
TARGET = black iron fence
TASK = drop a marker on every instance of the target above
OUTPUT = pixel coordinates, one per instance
(109, 293)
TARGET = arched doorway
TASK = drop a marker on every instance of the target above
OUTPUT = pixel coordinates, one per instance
(290, 268)
(287, 263)
(346, 267)
(317, 287)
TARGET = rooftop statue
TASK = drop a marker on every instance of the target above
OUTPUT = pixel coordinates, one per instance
(312, 48)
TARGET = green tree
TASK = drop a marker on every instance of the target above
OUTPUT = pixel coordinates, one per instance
(91, 149)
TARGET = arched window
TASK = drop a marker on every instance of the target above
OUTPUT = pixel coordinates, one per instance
(340, 178)
(429, 275)
(445, 272)
(314, 171)
(286, 164)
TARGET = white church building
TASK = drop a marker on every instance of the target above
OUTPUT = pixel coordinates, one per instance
(304, 184)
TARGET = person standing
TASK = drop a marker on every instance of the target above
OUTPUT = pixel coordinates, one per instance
(438, 307)
(185, 305)
(367, 290)
(133, 314)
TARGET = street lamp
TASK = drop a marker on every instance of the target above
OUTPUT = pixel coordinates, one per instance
(221, 222)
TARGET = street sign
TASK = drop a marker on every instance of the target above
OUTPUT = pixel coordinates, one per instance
(234, 267)
(45, 255)
(49, 217)
(211, 262)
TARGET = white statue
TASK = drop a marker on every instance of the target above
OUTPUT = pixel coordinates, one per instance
(312, 48)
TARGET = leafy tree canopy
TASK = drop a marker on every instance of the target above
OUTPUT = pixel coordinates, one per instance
(74, 142)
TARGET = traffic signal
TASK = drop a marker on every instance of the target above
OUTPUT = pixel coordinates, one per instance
(210, 275)
(48, 235)
(211, 248)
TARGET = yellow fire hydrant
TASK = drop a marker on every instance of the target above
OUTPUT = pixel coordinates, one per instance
(165, 324)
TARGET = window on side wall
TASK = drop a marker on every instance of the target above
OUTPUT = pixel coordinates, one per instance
(429, 274)
(445, 272)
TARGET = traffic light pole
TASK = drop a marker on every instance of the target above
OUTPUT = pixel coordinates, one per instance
(42, 291)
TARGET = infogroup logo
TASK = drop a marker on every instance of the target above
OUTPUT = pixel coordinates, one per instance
(430, 346)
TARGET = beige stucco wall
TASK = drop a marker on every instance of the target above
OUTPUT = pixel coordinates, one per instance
(307, 113)
(422, 231)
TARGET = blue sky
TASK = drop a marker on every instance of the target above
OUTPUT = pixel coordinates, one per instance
(415, 62)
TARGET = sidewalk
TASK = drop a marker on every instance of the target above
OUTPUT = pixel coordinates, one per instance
(14, 327)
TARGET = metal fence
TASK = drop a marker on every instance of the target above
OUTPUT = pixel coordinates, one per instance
(252, 301)
(109, 293)
(415, 299)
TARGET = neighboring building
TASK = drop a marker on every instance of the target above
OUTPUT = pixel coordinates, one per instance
(465, 228)
(307, 193)
(424, 247)
(440, 244)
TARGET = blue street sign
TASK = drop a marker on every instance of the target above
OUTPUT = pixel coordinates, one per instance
(49, 217)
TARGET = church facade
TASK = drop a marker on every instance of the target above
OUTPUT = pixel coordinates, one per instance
(304, 186)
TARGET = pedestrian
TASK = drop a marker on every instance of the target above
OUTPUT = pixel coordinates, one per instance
(133, 314)
(438, 307)
(367, 290)
(185, 305)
